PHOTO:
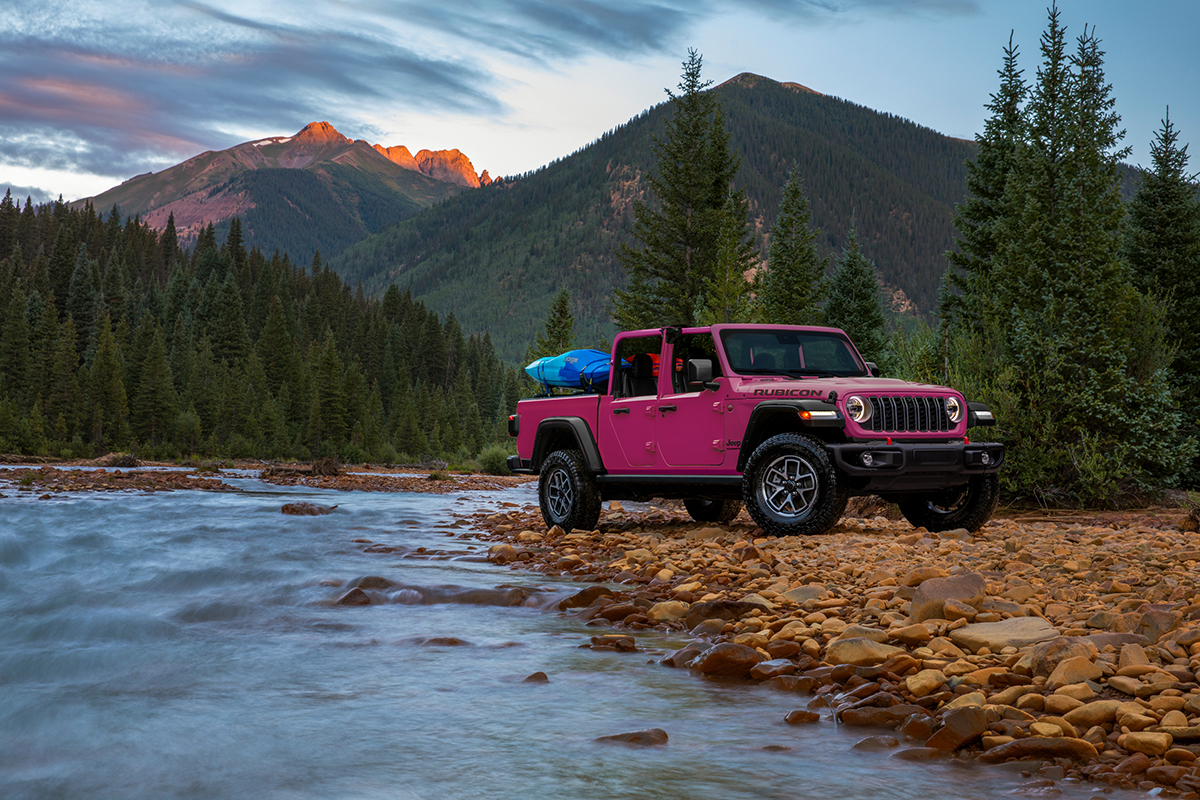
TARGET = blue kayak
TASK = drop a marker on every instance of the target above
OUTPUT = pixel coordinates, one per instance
(575, 369)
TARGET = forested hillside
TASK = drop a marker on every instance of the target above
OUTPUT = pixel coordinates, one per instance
(498, 255)
(113, 337)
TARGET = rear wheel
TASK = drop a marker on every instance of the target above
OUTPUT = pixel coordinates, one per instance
(790, 488)
(968, 506)
(704, 510)
(567, 492)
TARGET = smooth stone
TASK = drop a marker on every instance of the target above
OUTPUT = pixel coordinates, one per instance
(965, 700)
(652, 736)
(727, 660)
(1060, 704)
(354, 597)
(584, 598)
(1048, 729)
(921, 574)
(911, 635)
(1097, 712)
(1148, 742)
(959, 727)
(306, 509)
(537, 677)
(801, 717)
(1132, 655)
(1166, 775)
(1077, 691)
(1073, 670)
(1124, 684)
(863, 632)
(1045, 658)
(860, 652)
(727, 610)
(668, 611)
(880, 717)
(765, 670)
(932, 594)
(1040, 747)
(803, 594)
(925, 682)
(1016, 632)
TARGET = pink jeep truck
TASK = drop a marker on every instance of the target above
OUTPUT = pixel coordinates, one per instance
(789, 420)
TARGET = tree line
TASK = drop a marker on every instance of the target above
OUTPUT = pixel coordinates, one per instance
(113, 337)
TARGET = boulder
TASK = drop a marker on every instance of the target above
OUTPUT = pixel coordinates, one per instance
(859, 651)
(1132, 655)
(1016, 632)
(584, 598)
(307, 509)
(960, 726)
(668, 611)
(932, 594)
(719, 609)
(354, 597)
(537, 677)
(1073, 670)
(1040, 747)
(727, 660)
(925, 682)
(1151, 743)
(1166, 775)
(653, 736)
(1045, 657)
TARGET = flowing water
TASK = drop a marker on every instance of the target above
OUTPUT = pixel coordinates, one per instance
(186, 645)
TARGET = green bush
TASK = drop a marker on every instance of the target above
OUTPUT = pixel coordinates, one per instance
(493, 459)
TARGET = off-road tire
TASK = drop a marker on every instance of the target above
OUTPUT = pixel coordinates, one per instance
(704, 510)
(790, 488)
(968, 506)
(567, 492)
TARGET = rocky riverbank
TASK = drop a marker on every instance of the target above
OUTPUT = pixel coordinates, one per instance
(48, 481)
(1071, 645)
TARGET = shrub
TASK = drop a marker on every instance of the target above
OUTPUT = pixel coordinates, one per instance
(493, 459)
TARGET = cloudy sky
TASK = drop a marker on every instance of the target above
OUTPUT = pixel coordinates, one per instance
(92, 93)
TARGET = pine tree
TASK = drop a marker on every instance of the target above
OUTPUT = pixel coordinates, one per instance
(793, 282)
(728, 296)
(677, 251)
(153, 412)
(979, 215)
(854, 305)
(1162, 244)
(327, 411)
(110, 408)
(558, 334)
(81, 300)
(15, 351)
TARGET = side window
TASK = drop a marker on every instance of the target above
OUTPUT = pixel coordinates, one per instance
(687, 347)
(637, 367)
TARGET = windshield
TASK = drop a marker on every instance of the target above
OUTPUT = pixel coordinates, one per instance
(792, 353)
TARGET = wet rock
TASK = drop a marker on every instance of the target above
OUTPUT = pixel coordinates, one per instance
(1166, 775)
(801, 717)
(917, 726)
(372, 582)
(650, 737)
(766, 670)
(618, 611)
(959, 727)
(876, 743)
(1016, 632)
(1039, 747)
(918, 754)
(502, 553)
(719, 609)
(354, 597)
(932, 594)
(537, 677)
(306, 509)
(584, 598)
(667, 611)
(614, 641)
(790, 683)
(681, 657)
(860, 652)
(880, 717)
(727, 661)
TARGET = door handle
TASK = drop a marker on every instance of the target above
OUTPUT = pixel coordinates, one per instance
(667, 408)
(620, 410)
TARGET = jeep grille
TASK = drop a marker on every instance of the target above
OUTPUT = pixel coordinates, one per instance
(908, 414)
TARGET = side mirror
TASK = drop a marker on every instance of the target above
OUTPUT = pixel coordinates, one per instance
(873, 369)
(699, 370)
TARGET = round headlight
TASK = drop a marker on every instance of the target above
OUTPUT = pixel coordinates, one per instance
(858, 408)
(954, 409)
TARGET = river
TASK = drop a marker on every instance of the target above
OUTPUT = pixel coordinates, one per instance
(186, 645)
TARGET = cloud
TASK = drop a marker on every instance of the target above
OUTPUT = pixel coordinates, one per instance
(35, 193)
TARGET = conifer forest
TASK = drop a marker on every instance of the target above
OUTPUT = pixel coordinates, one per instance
(115, 338)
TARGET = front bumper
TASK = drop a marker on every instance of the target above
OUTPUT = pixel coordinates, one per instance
(915, 466)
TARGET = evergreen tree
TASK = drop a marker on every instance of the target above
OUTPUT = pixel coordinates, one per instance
(327, 411)
(792, 284)
(81, 299)
(110, 408)
(558, 334)
(678, 242)
(854, 305)
(153, 411)
(979, 215)
(230, 341)
(728, 296)
(14, 350)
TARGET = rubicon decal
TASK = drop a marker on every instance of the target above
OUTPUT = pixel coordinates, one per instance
(790, 392)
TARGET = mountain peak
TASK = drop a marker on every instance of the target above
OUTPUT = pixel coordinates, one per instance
(319, 132)
(750, 80)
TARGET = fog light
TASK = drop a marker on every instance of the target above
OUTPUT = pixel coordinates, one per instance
(868, 459)
(985, 459)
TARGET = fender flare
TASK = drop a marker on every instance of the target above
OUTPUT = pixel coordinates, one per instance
(578, 429)
(765, 410)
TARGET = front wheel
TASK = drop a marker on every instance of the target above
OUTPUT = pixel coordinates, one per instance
(704, 510)
(790, 488)
(567, 493)
(968, 506)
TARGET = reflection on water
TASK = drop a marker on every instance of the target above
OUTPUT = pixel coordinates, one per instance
(188, 645)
